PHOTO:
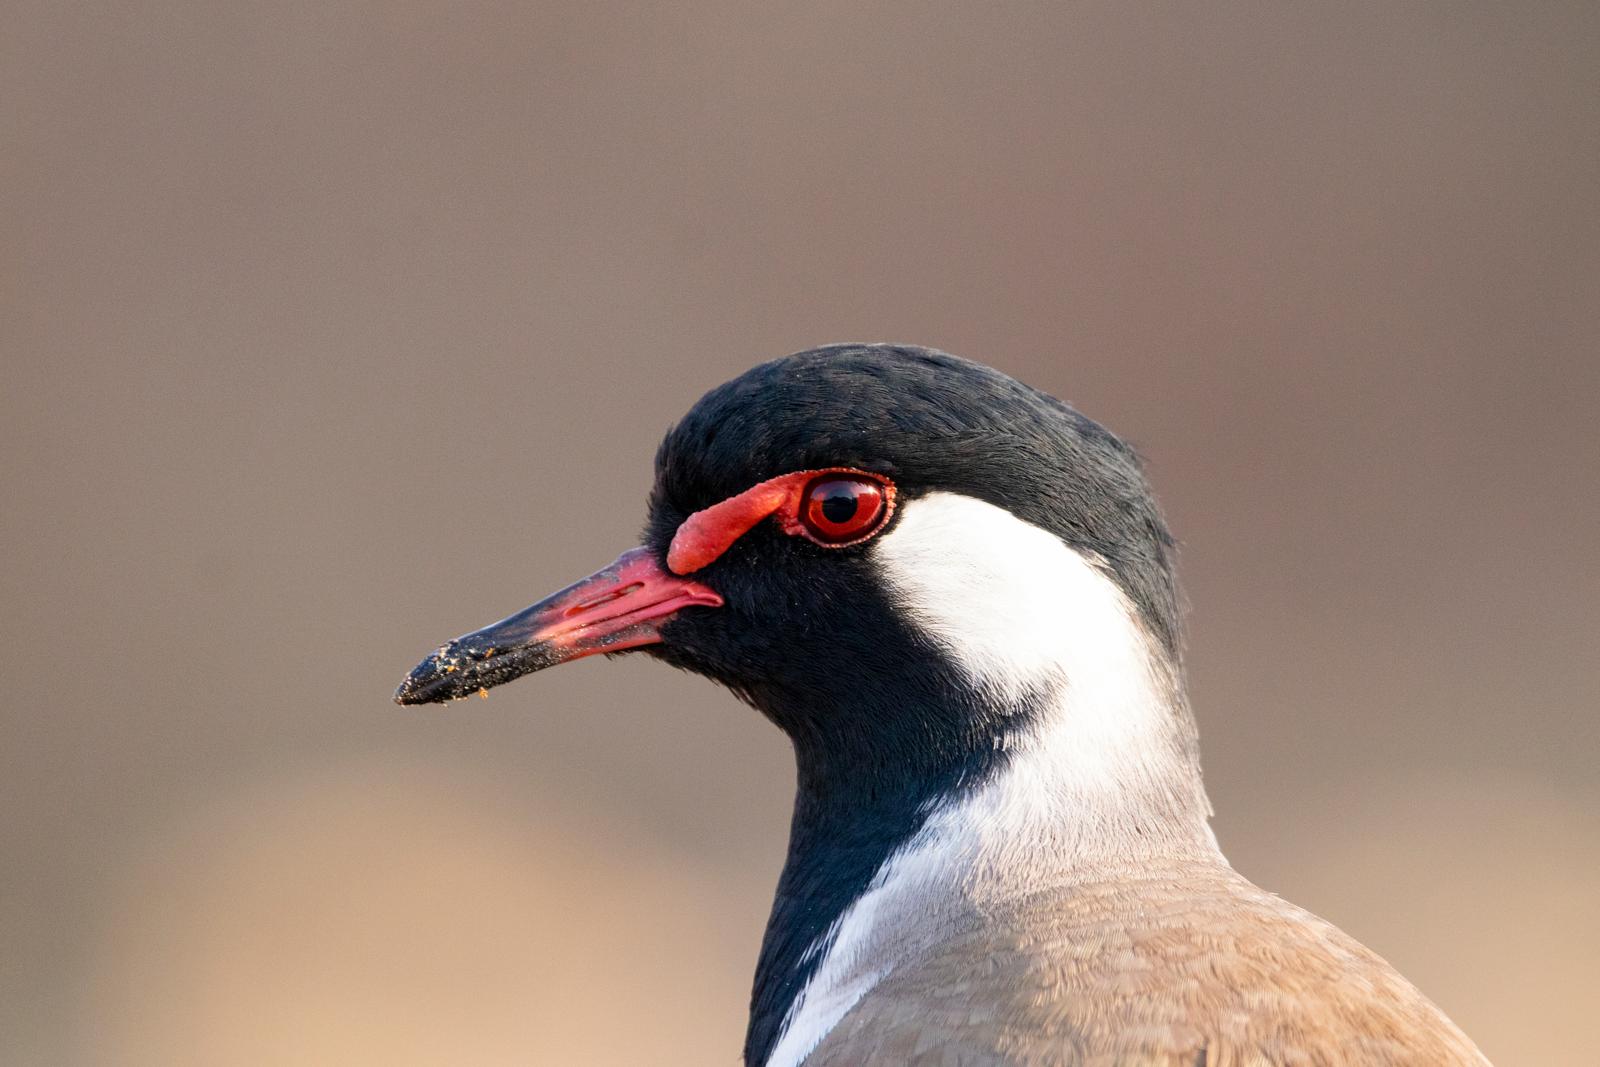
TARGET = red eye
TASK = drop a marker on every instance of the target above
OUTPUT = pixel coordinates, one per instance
(842, 509)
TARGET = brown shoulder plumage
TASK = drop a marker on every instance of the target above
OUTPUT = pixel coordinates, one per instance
(1189, 967)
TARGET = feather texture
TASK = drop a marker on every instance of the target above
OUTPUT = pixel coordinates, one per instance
(1186, 965)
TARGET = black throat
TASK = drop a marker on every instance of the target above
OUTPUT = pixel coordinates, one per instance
(854, 806)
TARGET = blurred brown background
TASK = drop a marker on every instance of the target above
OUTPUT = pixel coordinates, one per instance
(333, 330)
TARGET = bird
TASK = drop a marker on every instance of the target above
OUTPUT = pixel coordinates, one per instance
(955, 594)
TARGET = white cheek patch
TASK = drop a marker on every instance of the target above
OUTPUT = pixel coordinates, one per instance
(1024, 615)
(1010, 602)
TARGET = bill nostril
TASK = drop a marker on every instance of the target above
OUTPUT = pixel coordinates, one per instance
(604, 598)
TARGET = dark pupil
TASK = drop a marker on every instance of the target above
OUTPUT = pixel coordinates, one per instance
(839, 508)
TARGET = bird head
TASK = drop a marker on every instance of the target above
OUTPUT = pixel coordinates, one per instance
(897, 555)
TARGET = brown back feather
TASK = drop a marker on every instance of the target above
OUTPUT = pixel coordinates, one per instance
(1191, 965)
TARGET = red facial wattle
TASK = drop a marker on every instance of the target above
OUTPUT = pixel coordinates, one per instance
(794, 500)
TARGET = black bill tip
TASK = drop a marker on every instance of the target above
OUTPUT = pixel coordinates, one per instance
(458, 670)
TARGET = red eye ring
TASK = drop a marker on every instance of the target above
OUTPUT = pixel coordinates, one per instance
(799, 501)
(842, 508)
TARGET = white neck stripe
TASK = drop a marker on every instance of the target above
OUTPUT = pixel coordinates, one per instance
(1108, 774)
